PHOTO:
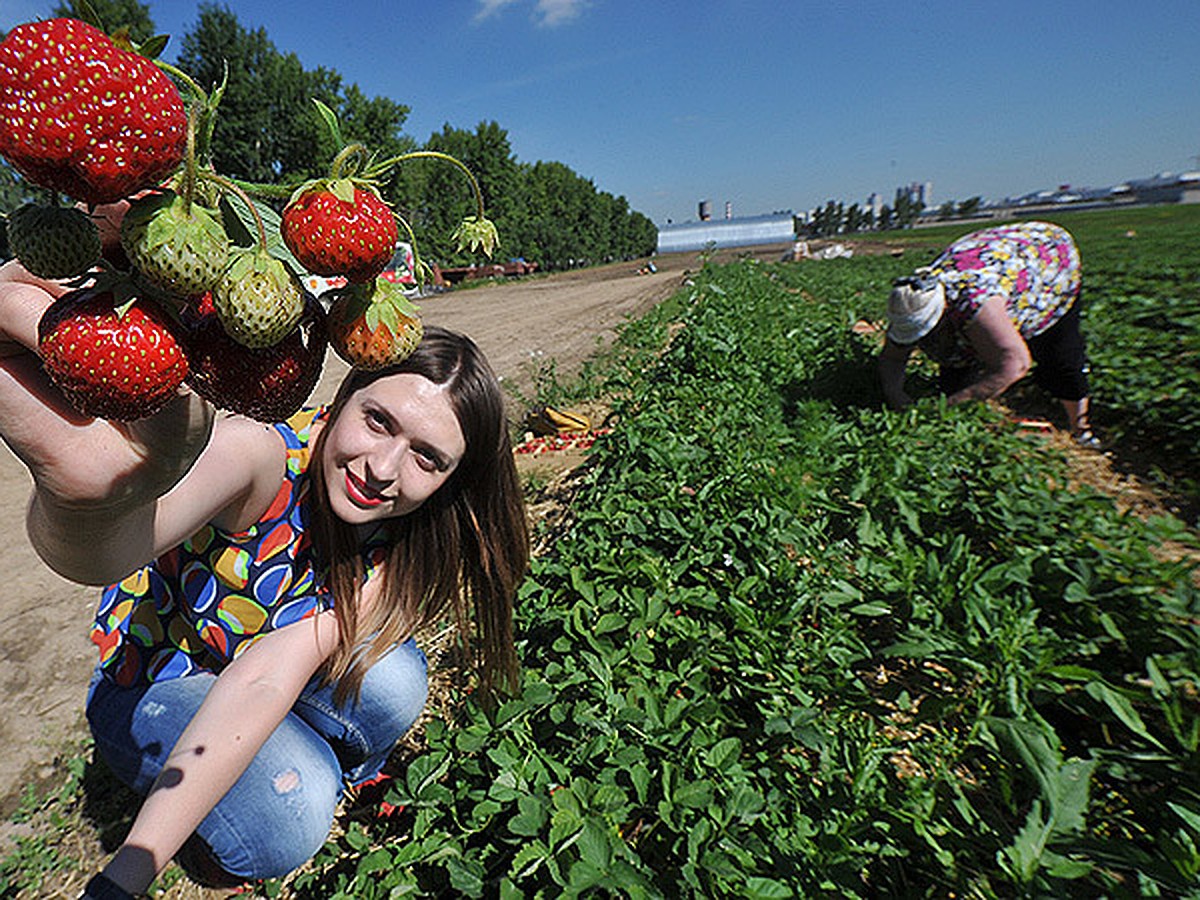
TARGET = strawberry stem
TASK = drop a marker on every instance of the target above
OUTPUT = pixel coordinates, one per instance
(183, 76)
(444, 157)
(348, 162)
(188, 187)
(418, 263)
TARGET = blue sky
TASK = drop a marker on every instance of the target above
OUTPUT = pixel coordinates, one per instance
(771, 105)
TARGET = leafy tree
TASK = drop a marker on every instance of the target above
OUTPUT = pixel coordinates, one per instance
(906, 209)
(854, 218)
(376, 122)
(970, 207)
(946, 210)
(268, 128)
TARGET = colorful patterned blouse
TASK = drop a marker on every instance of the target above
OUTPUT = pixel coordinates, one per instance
(1034, 266)
(204, 602)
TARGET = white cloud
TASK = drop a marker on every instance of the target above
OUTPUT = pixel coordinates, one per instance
(556, 12)
(489, 8)
(547, 13)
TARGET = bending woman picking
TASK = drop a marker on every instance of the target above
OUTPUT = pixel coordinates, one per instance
(263, 586)
(991, 306)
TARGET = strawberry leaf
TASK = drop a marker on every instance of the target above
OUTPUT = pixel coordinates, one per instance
(331, 122)
(243, 230)
(343, 189)
(152, 48)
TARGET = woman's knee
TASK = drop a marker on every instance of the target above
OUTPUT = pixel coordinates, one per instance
(278, 814)
(135, 729)
(397, 685)
(390, 700)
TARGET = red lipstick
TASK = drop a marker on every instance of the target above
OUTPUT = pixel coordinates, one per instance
(360, 494)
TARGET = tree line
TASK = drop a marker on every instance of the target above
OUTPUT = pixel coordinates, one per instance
(269, 131)
(836, 218)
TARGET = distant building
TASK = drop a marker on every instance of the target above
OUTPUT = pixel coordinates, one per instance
(733, 232)
(917, 192)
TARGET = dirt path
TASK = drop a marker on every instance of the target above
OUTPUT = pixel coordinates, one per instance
(47, 658)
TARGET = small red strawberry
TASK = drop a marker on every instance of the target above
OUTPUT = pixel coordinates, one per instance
(112, 359)
(84, 116)
(374, 325)
(339, 227)
(268, 384)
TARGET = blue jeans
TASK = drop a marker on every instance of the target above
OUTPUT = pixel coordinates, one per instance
(279, 812)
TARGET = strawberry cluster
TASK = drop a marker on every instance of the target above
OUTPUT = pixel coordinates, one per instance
(178, 302)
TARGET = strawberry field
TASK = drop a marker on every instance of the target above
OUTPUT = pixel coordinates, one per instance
(793, 644)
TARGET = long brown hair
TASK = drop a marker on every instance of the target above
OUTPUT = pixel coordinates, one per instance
(465, 549)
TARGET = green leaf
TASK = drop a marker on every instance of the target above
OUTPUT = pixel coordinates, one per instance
(1123, 709)
(595, 846)
(531, 818)
(424, 772)
(528, 860)
(375, 861)
(329, 117)
(693, 793)
(723, 753)
(641, 778)
(466, 876)
(610, 621)
(871, 608)
(1065, 786)
(1189, 816)
(759, 888)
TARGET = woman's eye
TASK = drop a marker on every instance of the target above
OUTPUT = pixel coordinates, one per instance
(427, 460)
(377, 419)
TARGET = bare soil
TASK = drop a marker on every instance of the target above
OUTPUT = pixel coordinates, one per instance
(520, 325)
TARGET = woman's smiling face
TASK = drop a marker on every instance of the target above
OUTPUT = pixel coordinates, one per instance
(394, 444)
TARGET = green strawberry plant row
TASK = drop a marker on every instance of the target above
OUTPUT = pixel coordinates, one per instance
(794, 644)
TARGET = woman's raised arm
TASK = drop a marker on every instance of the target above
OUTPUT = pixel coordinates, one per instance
(109, 496)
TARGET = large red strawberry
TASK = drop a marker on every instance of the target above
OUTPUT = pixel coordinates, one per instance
(267, 384)
(112, 358)
(338, 227)
(83, 116)
(374, 325)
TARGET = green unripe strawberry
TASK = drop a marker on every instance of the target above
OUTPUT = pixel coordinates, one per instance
(53, 241)
(177, 247)
(258, 300)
